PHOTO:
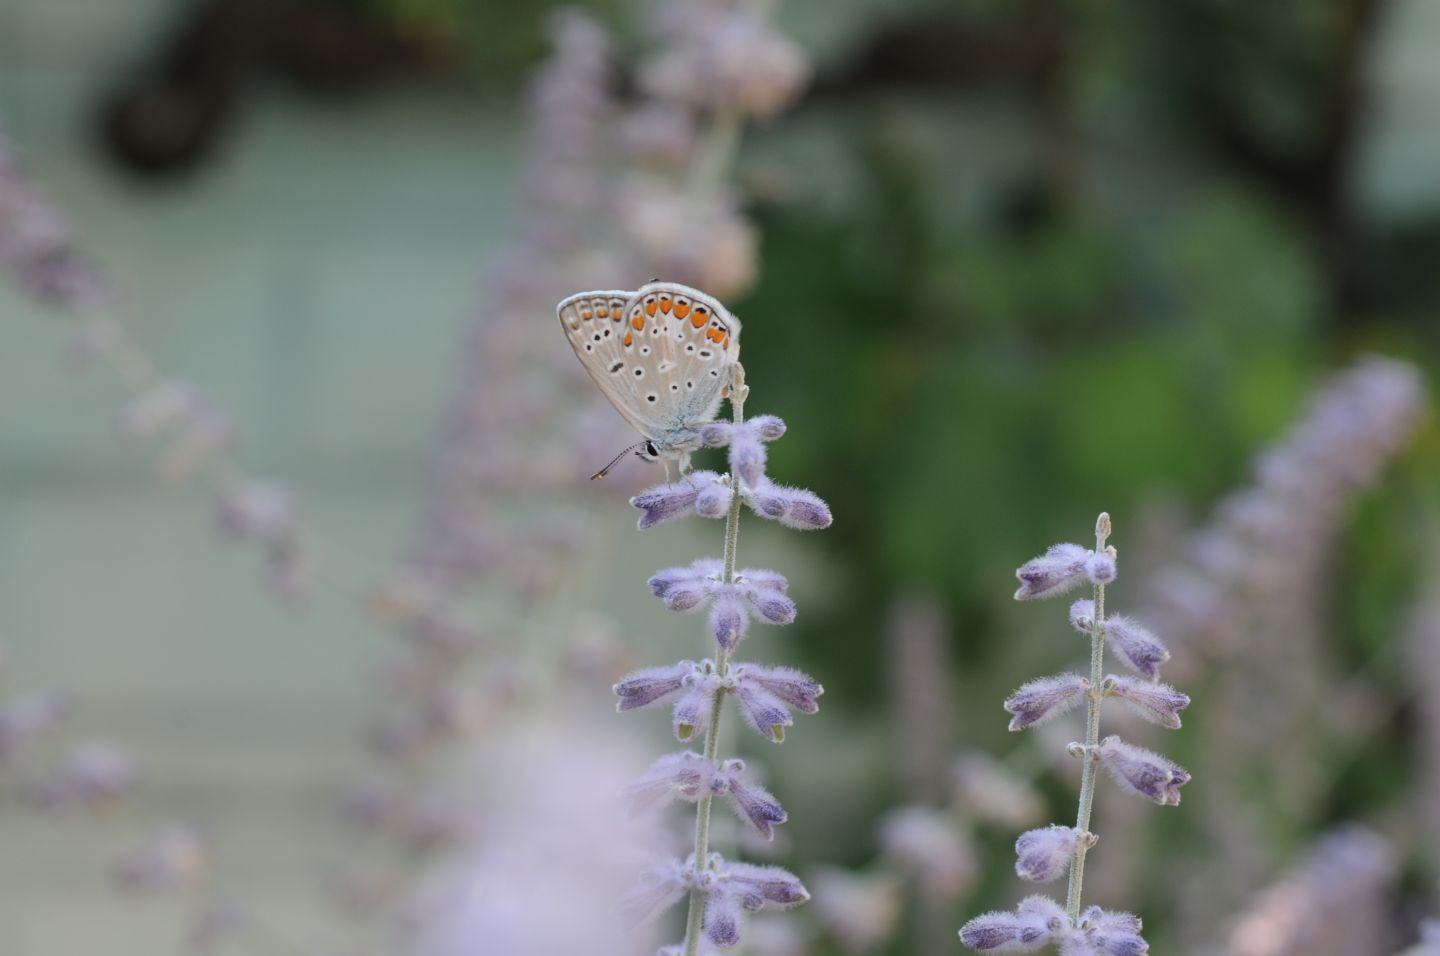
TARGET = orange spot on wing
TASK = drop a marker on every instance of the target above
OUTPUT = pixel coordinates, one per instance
(602, 312)
(681, 310)
(665, 305)
(637, 323)
(628, 339)
(650, 309)
(714, 335)
(697, 320)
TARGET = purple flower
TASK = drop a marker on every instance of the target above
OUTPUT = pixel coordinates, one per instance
(680, 775)
(255, 509)
(1112, 933)
(722, 919)
(1142, 772)
(1136, 647)
(1043, 855)
(763, 711)
(652, 684)
(747, 444)
(1034, 923)
(792, 507)
(1156, 702)
(1039, 700)
(679, 499)
(749, 801)
(761, 887)
(1058, 570)
(659, 887)
(791, 686)
(759, 593)
(695, 684)
(1100, 568)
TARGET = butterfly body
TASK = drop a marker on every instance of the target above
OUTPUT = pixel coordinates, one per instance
(665, 357)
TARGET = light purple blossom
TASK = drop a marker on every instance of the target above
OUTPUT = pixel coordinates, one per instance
(1137, 648)
(1156, 702)
(1143, 772)
(1058, 570)
(1044, 854)
(746, 442)
(259, 510)
(730, 890)
(791, 686)
(1041, 699)
(693, 687)
(757, 593)
(652, 684)
(1034, 923)
(1100, 568)
(679, 499)
(708, 495)
(1107, 933)
(689, 776)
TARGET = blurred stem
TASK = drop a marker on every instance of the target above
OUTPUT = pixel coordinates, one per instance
(738, 392)
(715, 156)
(1092, 733)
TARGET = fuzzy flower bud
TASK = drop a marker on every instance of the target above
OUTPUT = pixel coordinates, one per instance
(1043, 855)
(652, 685)
(1058, 570)
(1100, 568)
(1039, 700)
(1111, 933)
(750, 801)
(1143, 772)
(793, 507)
(679, 499)
(789, 685)
(756, 592)
(1035, 922)
(1136, 647)
(680, 775)
(714, 498)
(1158, 703)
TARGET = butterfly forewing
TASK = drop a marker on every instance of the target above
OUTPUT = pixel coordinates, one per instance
(662, 359)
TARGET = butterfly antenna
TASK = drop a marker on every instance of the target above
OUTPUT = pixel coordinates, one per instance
(614, 461)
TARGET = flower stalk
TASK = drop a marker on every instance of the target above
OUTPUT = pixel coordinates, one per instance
(1046, 853)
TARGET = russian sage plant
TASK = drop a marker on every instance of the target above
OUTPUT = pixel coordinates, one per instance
(720, 891)
(1046, 853)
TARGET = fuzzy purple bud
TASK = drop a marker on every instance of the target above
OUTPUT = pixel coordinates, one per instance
(722, 919)
(766, 427)
(747, 457)
(714, 498)
(692, 708)
(759, 887)
(679, 775)
(792, 507)
(671, 501)
(1136, 647)
(1033, 924)
(765, 591)
(1043, 855)
(729, 621)
(749, 801)
(1058, 570)
(1041, 699)
(1112, 933)
(1100, 568)
(763, 711)
(791, 686)
(651, 685)
(1156, 702)
(659, 887)
(1143, 772)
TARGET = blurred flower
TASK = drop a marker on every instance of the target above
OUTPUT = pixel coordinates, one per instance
(991, 793)
(1143, 772)
(1334, 902)
(1035, 922)
(928, 844)
(859, 910)
(92, 774)
(174, 859)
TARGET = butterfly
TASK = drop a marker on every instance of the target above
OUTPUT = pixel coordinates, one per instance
(665, 356)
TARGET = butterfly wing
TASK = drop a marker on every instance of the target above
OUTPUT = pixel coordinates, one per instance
(696, 344)
(662, 355)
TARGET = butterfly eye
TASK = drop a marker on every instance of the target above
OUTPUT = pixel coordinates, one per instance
(649, 451)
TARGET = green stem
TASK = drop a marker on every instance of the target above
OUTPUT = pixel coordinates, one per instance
(1091, 755)
(696, 914)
